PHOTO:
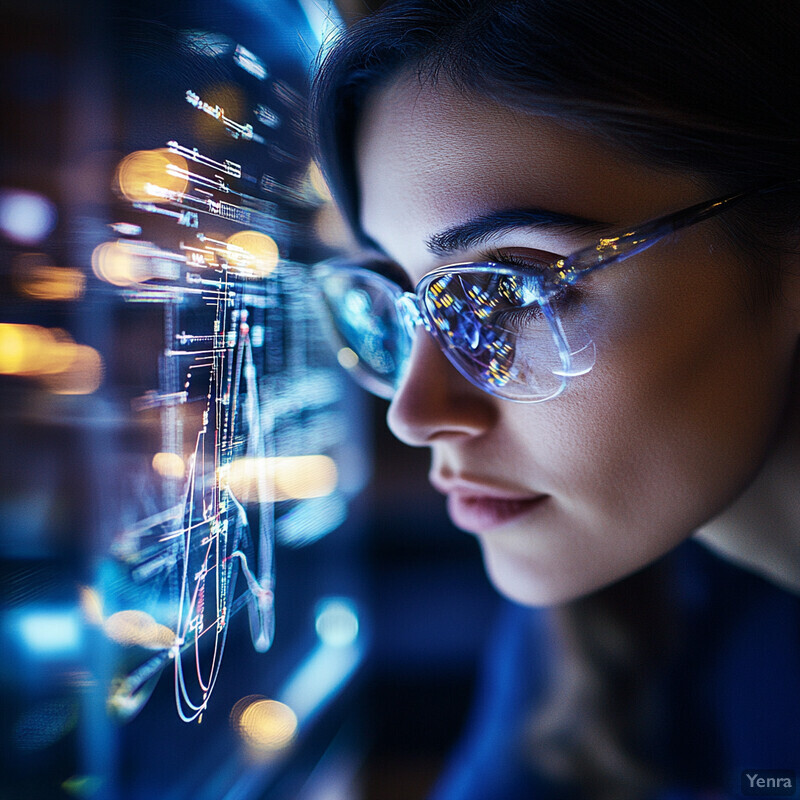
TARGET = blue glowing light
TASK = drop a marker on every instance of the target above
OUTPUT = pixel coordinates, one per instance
(337, 622)
(250, 62)
(26, 217)
(53, 633)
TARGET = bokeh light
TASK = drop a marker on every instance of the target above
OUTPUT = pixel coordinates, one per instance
(281, 478)
(29, 350)
(347, 357)
(50, 632)
(134, 627)
(219, 102)
(265, 726)
(122, 262)
(83, 375)
(336, 622)
(301, 477)
(26, 217)
(147, 176)
(91, 605)
(118, 263)
(36, 277)
(253, 251)
(50, 355)
(169, 465)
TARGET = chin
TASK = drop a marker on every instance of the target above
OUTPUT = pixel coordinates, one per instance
(534, 584)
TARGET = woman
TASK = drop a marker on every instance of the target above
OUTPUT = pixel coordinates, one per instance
(608, 369)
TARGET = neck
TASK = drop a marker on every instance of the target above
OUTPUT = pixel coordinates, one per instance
(761, 529)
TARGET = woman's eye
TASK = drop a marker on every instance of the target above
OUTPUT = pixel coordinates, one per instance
(522, 295)
(542, 264)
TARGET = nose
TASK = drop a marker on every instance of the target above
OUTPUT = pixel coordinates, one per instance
(435, 402)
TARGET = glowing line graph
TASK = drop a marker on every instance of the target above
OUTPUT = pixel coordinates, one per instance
(235, 129)
(192, 565)
(193, 550)
(197, 549)
(214, 516)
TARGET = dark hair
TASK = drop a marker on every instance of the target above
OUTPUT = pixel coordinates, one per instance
(711, 87)
(708, 87)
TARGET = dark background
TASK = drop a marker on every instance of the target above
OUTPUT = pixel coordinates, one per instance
(72, 105)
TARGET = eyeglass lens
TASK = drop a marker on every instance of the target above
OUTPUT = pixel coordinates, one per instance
(492, 324)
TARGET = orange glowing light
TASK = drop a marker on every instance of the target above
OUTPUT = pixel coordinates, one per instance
(91, 605)
(265, 726)
(169, 465)
(49, 354)
(255, 480)
(135, 627)
(150, 176)
(118, 263)
(302, 477)
(253, 251)
(36, 277)
(83, 375)
(18, 348)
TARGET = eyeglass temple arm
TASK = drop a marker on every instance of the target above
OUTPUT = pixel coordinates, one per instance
(625, 244)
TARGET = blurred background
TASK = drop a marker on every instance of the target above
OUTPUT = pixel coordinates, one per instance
(221, 577)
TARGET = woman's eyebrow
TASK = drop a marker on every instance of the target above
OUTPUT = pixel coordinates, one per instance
(477, 230)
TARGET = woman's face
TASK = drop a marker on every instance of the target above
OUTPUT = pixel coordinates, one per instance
(690, 380)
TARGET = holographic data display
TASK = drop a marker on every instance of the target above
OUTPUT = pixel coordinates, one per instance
(244, 419)
(202, 419)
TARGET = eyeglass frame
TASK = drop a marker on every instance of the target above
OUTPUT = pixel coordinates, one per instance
(562, 272)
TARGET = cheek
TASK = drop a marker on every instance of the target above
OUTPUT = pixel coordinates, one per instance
(678, 412)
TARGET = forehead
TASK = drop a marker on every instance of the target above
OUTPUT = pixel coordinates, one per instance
(430, 157)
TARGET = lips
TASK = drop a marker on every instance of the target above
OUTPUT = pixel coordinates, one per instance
(476, 507)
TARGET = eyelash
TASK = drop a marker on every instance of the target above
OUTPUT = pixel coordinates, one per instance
(567, 294)
(513, 260)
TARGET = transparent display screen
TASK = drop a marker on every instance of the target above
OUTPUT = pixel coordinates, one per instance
(171, 412)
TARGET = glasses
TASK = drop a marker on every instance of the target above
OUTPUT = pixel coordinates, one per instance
(518, 333)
